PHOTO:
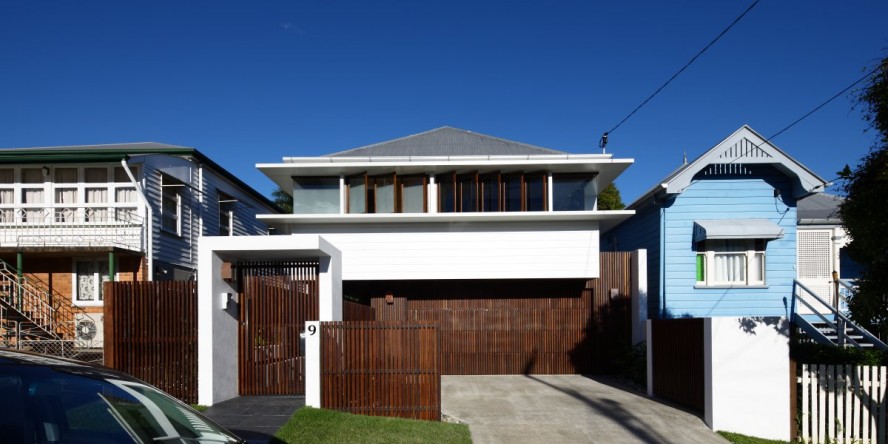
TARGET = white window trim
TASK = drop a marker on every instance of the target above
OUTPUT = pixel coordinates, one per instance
(178, 195)
(709, 268)
(75, 288)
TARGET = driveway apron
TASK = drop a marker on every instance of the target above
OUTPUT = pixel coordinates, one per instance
(564, 409)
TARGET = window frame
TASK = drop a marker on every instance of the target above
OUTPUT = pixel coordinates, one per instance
(705, 262)
(174, 197)
(101, 271)
(226, 212)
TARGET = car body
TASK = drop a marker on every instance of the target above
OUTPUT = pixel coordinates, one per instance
(45, 399)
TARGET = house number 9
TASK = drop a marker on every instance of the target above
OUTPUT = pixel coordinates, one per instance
(312, 330)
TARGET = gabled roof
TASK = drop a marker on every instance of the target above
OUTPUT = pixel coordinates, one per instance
(445, 141)
(114, 152)
(743, 147)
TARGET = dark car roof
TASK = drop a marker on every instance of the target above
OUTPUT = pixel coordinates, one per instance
(20, 357)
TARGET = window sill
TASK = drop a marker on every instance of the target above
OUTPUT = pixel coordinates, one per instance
(722, 287)
(89, 303)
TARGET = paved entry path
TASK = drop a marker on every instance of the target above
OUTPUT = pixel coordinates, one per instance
(554, 409)
(255, 418)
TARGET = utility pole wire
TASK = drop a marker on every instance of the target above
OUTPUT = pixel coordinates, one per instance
(682, 69)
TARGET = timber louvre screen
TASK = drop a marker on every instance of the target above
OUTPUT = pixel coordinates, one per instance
(381, 369)
(276, 298)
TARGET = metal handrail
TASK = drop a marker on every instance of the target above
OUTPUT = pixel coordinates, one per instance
(28, 304)
(838, 316)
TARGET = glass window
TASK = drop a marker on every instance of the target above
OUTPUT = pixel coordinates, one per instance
(65, 175)
(573, 192)
(468, 192)
(32, 175)
(446, 193)
(65, 199)
(490, 192)
(512, 196)
(413, 194)
(90, 276)
(315, 195)
(226, 215)
(535, 192)
(384, 194)
(95, 196)
(736, 262)
(7, 200)
(171, 204)
(357, 194)
(7, 175)
(95, 175)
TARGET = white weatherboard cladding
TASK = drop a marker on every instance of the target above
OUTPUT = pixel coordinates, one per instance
(457, 252)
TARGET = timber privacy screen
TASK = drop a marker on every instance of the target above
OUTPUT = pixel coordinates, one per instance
(151, 333)
(381, 369)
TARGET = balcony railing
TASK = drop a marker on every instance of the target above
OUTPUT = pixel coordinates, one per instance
(72, 226)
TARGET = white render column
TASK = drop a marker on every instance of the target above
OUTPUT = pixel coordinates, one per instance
(217, 321)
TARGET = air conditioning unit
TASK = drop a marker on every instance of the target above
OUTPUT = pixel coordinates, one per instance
(89, 330)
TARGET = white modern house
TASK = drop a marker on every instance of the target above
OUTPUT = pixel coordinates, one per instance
(447, 225)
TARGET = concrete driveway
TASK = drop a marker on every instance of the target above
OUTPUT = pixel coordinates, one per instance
(564, 409)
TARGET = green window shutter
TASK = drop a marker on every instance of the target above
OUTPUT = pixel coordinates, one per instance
(701, 267)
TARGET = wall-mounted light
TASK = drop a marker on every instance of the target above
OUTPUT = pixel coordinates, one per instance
(46, 171)
(225, 300)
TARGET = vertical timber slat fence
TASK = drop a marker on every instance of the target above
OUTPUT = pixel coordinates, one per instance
(381, 369)
(677, 352)
(151, 333)
(842, 404)
(352, 311)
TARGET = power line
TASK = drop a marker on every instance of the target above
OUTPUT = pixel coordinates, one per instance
(604, 137)
(824, 103)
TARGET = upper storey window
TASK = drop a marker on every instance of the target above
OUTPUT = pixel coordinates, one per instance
(315, 195)
(573, 192)
(387, 193)
(491, 192)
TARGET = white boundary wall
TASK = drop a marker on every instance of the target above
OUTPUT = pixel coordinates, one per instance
(747, 376)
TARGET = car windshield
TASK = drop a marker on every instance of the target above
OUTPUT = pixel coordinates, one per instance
(70, 405)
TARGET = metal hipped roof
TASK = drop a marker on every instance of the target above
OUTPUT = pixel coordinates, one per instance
(736, 229)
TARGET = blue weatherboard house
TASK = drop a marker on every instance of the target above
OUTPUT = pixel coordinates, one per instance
(720, 231)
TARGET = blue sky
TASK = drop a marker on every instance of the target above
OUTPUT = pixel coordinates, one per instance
(254, 81)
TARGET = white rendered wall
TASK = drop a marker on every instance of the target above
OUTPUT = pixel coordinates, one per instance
(747, 376)
(458, 251)
(639, 296)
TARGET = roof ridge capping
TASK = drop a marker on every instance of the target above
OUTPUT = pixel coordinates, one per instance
(446, 141)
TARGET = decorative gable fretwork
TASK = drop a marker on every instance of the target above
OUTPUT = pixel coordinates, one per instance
(744, 150)
(726, 169)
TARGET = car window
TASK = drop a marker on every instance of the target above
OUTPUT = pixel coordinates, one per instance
(42, 404)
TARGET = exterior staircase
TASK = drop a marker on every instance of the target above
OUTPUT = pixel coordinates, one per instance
(30, 311)
(828, 325)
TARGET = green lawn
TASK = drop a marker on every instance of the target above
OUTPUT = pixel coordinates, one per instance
(311, 425)
(737, 438)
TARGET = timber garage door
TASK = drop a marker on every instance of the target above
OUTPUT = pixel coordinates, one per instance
(527, 326)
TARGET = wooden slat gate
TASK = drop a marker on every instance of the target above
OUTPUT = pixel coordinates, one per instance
(381, 368)
(151, 333)
(275, 300)
(677, 352)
